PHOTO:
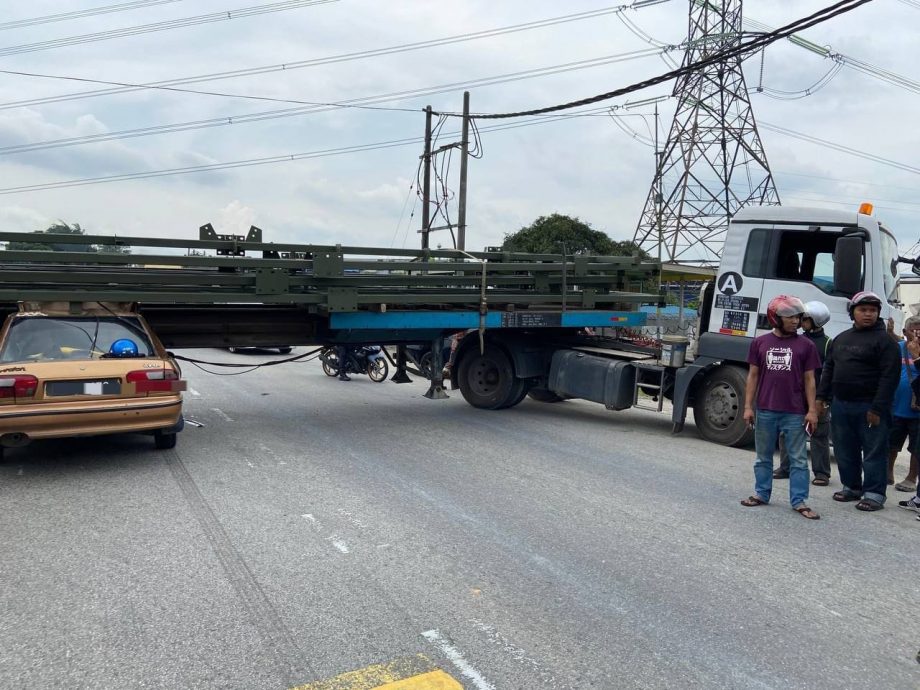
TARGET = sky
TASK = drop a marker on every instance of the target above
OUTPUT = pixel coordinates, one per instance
(295, 176)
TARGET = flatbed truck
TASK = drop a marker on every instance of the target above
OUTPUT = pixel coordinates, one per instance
(528, 316)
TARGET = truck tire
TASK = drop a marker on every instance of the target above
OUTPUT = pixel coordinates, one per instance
(719, 407)
(517, 394)
(544, 395)
(486, 380)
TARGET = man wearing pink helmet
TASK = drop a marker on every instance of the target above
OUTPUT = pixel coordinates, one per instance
(781, 374)
(860, 377)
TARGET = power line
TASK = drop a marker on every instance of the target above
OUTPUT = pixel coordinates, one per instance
(122, 87)
(721, 56)
(840, 147)
(162, 26)
(310, 108)
(357, 148)
(80, 14)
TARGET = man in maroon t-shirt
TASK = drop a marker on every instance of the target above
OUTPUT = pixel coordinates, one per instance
(782, 377)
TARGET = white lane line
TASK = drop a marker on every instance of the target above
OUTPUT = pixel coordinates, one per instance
(220, 413)
(194, 392)
(457, 659)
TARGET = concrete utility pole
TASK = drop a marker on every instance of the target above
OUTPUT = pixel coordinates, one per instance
(426, 180)
(713, 161)
(464, 158)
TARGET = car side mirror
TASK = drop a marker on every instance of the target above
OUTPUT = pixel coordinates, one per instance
(848, 265)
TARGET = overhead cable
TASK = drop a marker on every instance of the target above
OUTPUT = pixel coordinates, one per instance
(123, 87)
(721, 56)
(310, 108)
(80, 14)
(161, 26)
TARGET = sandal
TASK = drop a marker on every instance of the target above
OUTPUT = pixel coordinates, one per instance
(807, 512)
(844, 497)
(905, 486)
(820, 481)
(752, 501)
(868, 506)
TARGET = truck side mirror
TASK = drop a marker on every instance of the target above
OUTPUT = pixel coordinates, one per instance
(848, 265)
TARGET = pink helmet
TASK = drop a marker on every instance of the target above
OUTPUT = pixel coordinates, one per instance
(864, 297)
(783, 305)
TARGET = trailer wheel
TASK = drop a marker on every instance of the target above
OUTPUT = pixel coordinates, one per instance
(719, 407)
(486, 380)
(544, 395)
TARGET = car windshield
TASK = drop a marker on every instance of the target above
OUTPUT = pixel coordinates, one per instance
(41, 338)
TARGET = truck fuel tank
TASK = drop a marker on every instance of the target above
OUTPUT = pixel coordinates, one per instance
(577, 374)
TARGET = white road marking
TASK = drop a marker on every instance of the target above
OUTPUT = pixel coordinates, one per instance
(194, 392)
(457, 659)
(220, 413)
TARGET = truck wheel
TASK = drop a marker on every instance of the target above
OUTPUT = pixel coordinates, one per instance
(719, 408)
(518, 393)
(544, 395)
(486, 380)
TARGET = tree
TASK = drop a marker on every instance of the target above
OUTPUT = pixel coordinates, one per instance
(63, 228)
(554, 233)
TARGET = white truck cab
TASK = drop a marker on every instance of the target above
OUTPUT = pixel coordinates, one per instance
(811, 253)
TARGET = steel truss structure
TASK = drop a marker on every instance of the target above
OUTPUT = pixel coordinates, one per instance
(713, 162)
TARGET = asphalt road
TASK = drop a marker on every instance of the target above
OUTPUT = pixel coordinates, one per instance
(312, 528)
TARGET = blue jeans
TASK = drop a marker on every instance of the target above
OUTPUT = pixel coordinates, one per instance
(768, 427)
(860, 450)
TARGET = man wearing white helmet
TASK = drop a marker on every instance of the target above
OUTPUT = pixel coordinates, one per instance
(813, 320)
(859, 380)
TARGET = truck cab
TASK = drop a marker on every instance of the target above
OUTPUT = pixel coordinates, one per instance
(814, 254)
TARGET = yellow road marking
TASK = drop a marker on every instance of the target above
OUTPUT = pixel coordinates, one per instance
(411, 673)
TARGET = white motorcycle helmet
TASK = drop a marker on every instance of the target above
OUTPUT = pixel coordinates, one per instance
(817, 312)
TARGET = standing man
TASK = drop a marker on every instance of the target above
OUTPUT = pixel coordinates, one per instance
(341, 354)
(859, 380)
(905, 420)
(781, 375)
(813, 320)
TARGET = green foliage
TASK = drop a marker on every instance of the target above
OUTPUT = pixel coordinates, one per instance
(62, 228)
(556, 233)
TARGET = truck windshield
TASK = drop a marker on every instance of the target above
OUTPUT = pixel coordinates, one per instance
(41, 338)
(889, 264)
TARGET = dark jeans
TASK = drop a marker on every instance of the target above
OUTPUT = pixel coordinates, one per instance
(861, 450)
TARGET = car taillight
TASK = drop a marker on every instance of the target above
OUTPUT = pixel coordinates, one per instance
(151, 380)
(21, 386)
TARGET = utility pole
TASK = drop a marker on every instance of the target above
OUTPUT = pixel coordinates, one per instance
(426, 180)
(713, 161)
(464, 158)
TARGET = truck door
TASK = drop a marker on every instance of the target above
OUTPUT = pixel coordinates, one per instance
(801, 263)
(739, 284)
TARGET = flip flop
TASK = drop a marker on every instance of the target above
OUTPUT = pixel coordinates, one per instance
(844, 497)
(752, 501)
(904, 486)
(807, 513)
(868, 506)
(820, 481)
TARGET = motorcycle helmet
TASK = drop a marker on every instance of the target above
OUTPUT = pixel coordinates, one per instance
(817, 312)
(864, 297)
(123, 347)
(783, 305)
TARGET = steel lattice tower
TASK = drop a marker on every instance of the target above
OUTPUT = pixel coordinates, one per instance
(713, 162)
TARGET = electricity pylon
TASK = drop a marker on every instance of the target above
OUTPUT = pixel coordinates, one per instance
(713, 162)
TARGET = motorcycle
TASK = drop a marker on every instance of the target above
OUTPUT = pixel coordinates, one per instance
(364, 359)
